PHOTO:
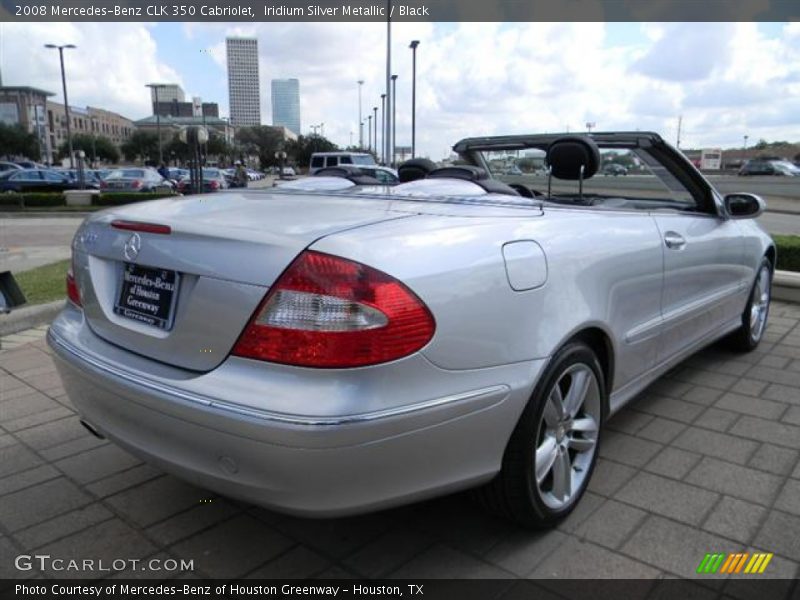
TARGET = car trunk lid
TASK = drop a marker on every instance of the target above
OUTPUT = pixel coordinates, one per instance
(183, 295)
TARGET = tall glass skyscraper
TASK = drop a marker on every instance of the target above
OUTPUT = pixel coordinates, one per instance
(286, 104)
(243, 83)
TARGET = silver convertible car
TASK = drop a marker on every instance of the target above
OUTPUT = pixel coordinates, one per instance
(333, 352)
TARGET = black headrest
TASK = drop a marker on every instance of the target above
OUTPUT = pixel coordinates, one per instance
(467, 172)
(566, 155)
(415, 168)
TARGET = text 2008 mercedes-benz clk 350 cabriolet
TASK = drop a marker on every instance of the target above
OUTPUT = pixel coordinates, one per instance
(333, 347)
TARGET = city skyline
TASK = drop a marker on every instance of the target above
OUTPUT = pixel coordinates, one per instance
(725, 80)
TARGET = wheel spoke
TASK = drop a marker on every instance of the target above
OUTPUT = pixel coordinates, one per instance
(554, 408)
(581, 444)
(577, 392)
(545, 457)
(584, 424)
(562, 476)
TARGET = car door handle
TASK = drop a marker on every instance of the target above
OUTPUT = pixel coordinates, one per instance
(674, 241)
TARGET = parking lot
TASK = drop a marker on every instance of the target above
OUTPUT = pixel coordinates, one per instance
(705, 461)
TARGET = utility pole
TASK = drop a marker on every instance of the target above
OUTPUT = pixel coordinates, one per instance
(66, 101)
(388, 132)
(375, 125)
(394, 119)
(360, 120)
(678, 140)
(413, 47)
(383, 129)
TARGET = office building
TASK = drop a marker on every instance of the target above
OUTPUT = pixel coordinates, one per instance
(88, 120)
(195, 108)
(168, 92)
(25, 106)
(243, 82)
(286, 104)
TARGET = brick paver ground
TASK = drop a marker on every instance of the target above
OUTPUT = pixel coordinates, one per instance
(707, 460)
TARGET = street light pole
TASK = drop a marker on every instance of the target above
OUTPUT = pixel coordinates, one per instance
(66, 101)
(360, 120)
(375, 125)
(383, 129)
(394, 119)
(369, 133)
(155, 87)
(413, 47)
(388, 132)
(322, 129)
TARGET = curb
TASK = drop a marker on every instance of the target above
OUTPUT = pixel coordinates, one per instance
(29, 317)
(786, 286)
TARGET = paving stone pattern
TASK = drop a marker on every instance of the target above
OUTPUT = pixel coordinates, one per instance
(706, 460)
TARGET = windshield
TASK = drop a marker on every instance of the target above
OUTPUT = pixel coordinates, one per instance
(125, 173)
(363, 160)
(624, 174)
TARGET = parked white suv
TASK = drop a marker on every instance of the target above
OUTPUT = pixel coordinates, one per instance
(322, 160)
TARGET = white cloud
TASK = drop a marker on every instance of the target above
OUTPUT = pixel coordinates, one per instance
(725, 79)
(108, 69)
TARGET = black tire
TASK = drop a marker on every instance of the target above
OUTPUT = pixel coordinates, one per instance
(515, 493)
(749, 335)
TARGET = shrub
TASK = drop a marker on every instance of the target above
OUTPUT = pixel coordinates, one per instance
(31, 199)
(788, 247)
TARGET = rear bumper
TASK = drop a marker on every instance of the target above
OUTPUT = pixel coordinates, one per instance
(303, 463)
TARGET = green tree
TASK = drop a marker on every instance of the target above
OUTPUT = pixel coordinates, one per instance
(15, 141)
(262, 140)
(142, 144)
(175, 149)
(103, 147)
(301, 149)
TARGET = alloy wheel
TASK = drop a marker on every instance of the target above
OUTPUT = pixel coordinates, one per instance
(567, 436)
(759, 304)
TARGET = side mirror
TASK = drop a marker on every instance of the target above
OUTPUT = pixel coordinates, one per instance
(744, 206)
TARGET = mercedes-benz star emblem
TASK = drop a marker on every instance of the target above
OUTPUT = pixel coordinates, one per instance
(132, 247)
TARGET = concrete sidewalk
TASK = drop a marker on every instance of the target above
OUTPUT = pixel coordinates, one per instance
(705, 461)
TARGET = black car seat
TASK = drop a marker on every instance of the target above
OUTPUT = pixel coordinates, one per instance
(415, 168)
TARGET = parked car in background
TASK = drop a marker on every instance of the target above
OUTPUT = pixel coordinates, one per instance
(91, 177)
(614, 169)
(129, 179)
(769, 167)
(379, 175)
(213, 181)
(8, 166)
(30, 164)
(322, 160)
(35, 180)
(255, 175)
(335, 353)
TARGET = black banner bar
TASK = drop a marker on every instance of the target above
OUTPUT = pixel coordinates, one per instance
(428, 589)
(399, 10)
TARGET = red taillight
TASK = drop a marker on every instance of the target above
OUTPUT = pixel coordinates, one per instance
(214, 184)
(136, 184)
(103, 185)
(326, 311)
(73, 293)
(140, 226)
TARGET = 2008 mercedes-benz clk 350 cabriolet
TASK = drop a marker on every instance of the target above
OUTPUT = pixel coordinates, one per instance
(339, 351)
